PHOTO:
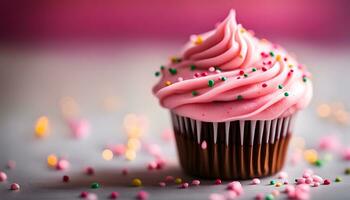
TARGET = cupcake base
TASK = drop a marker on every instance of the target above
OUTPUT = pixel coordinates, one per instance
(232, 150)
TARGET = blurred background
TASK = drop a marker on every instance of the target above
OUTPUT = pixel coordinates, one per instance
(86, 68)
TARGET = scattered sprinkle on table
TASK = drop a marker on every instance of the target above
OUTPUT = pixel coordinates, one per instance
(178, 180)
(136, 182)
(15, 186)
(65, 178)
(114, 195)
(95, 185)
(142, 195)
(3, 176)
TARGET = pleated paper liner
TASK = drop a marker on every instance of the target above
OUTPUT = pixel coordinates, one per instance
(232, 150)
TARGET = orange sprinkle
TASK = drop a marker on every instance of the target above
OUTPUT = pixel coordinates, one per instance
(199, 40)
(278, 57)
(167, 83)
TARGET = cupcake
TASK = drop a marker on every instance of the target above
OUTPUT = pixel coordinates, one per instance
(233, 99)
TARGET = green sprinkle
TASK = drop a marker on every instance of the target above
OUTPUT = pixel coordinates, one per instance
(269, 197)
(162, 67)
(319, 163)
(173, 71)
(239, 97)
(194, 93)
(280, 86)
(337, 179)
(95, 185)
(304, 78)
(286, 94)
(223, 78)
(272, 54)
(273, 182)
(211, 83)
(347, 171)
(254, 70)
(245, 75)
(193, 67)
(157, 73)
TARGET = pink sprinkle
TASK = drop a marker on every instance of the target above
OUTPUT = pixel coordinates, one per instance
(346, 154)
(15, 186)
(216, 196)
(162, 184)
(11, 164)
(152, 165)
(119, 149)
(65, 178)
(160, 163)
(184, 185)
(142, 195)
(196, 182)
(217, 181)
(211, 69)
(275, 193)
(125, 171)
(303, 187)
(89, 171)
(329, 142)
(204, 145)
(255, 181)
(259, 196)
(306, 175)
(84, 194)
(204, 73)
(269, 63)
(92, 196)
(3, 176)
(285, 182)
(197, 74)
(169, 178)
(80, 128)
(316, 184)
(300, 180)
(62, 164)
(326, 182)
(289, 188)
(283, 175)
(236, 186)
(180, 79)
(301, 195)
(316, 178)
(230, 195)
(114, 195)
(308, 180)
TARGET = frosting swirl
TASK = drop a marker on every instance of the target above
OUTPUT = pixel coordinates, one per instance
(228, 74)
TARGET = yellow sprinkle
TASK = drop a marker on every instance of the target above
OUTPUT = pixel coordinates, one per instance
(199, 40)
(310, 155)
(278, 58)
(136, 182)
(42, 127)
(178, 180)
(107, 154)
(167, 83)
(324, 110)
(52, 160)
(278, 184)
(243, 30)
(290, 66)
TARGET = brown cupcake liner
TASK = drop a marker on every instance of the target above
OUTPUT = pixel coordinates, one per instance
(232, 150)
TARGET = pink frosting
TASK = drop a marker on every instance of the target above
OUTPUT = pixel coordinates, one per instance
(228, 74)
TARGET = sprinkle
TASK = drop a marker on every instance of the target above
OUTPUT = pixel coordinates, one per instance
(114, 195)
(199, 40)
(304, 78)
(197, 74)
(286, 94)
(204, 73)
(316, 184)
(65, 178)
(175, 60)
(254, 70)
(62, 164)
(259, 196)
(338, 179)
(89, 171)
(204, 145)
(278, 58)
(92, 196)
(308, 180)
(142, 195)
(136, 182)
(42, 127)
(347, 171)
(95, 185)
(192, 67)
(235, 186)
(167, 83)
(52, 160)
(172, 71)
(239, 97)
(152, 165)
(211, 69)
(264, 85)
(326, 182)
(194, 93)
(279, 184)
(196, 182)
(241, 72)
(245, 75)
(162, 184)
(162, 67)
(223, 78)
(272, 182)
(269, 197)
(211, 83)
(3, 176)
(217, 181)
(280, 86)
(15, 186)
(255, 181)
(285, 59)
(83, 194)
(125, 171)
(300, 180)
(178, 181)
(180, 79)
(317, 178)
(156, 73)
(184, 185)
(319, 163)
(272, 54)
(264, 69)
